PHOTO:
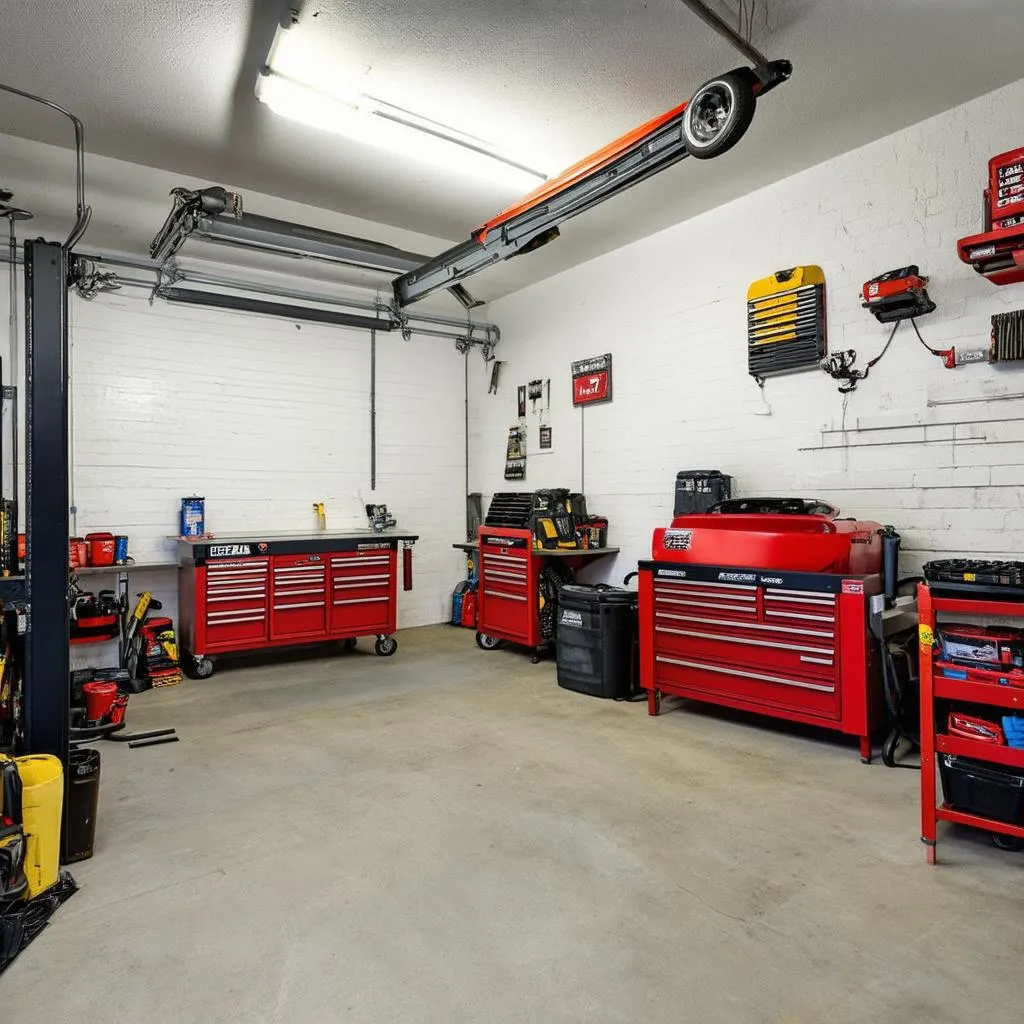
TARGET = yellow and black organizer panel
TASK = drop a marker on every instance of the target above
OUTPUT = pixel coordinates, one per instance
(786, 322)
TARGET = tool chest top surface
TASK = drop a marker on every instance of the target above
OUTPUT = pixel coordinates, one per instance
(548, 552)
(240, 545)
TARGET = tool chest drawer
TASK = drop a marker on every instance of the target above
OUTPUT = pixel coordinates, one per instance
(506, 574)
(362, 591)
(767, 686)
(299, 596)
(236, 592)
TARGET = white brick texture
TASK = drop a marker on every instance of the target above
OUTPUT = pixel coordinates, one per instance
(671, 309)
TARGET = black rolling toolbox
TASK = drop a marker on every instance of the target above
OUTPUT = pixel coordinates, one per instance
(597, 641)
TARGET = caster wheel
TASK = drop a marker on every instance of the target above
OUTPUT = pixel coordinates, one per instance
(534, 659)
(202, 668)
(385, 646)
(1011, 843)
(488, 643)
(348, 644)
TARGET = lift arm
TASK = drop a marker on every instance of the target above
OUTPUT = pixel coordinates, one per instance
(534, 221)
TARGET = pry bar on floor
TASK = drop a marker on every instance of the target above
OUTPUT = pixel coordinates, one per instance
(534, 221)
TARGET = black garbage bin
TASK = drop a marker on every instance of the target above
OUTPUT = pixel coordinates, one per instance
(83, 800)
(596, 640)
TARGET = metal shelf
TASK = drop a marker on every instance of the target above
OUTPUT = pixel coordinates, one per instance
(936, 687)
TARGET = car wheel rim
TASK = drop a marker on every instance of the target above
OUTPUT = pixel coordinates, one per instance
(709, 113)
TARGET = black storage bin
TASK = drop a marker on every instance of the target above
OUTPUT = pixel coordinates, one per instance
(83, 801)
(988, 790)
(698, 489)
(596, 640)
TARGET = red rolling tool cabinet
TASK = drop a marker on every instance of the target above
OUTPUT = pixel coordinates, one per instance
(765, 613)
(999, 693)
(519, 586)
(249, 593)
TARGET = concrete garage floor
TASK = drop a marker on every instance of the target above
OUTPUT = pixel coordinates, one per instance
(448, 836)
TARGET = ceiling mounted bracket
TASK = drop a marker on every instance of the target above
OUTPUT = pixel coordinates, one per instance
(726, 31)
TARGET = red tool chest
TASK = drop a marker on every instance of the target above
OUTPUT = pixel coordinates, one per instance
(519, 586)
(790, 644)
(242, 595)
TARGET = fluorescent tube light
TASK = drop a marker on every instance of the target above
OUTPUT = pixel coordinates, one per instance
(377, 123)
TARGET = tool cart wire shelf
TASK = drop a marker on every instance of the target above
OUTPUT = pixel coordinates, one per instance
(937, 688)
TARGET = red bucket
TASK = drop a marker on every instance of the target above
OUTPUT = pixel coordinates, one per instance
(99, 698)
(101, 548)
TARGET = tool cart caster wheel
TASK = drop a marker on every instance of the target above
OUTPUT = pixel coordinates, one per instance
(718, 115)
(386, 646)
(348, 644)
(1011, 843)
(197, 668)
(487, 643)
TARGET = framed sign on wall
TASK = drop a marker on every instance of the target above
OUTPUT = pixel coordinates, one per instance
(592, 380)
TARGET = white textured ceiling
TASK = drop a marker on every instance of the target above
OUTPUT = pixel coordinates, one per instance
(169, 85)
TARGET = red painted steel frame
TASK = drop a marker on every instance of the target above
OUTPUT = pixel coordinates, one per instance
(856, 707)
(1010, 698)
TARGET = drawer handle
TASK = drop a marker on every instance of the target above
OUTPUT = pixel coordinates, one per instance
(289, 592)
(233, 600)
(714, 606)
(796, 630)
(504, 574)
(745, 675)
(369, 576)
(753, 643)
(360, 586)
(225, 613)
(508, 597)
(801, 615)
(816, 661)
(301, 604)
(237, 618)
(680, 592)
(701, 583)
(215, 592)
(798, 595)
(362, 600)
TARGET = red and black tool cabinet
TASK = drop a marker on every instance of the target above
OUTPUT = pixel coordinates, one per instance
(792, 645)
(246, 594)
(509, 587)
(511, 598)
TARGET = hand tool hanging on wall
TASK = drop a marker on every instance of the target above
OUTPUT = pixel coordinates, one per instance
(492, 388)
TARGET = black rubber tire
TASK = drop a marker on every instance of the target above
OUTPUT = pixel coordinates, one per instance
(488, 643)
(385, 646)
(1004, 842)
(348, 644)
(202, 667)
(733, 97)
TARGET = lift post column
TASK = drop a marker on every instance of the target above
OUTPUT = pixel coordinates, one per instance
(46, 491)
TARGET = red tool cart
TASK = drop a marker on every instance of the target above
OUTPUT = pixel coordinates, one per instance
(519, 586)
(947, 685)
(762, 605)
(248, 593)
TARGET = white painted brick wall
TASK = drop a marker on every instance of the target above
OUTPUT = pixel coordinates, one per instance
(263, 418)
(671, 309)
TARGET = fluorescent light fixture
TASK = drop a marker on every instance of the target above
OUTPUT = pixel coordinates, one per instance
(377, 123)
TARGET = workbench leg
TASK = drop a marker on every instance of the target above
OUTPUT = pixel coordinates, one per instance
(865, 749)
(653, 701)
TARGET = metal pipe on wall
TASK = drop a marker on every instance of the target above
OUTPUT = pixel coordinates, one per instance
(373, 410)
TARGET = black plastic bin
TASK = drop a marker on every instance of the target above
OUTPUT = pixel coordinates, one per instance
(83, 801)
(976, 787)
(596, 640)
(698, 489)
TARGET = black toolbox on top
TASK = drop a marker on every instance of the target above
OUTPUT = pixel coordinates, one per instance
(597, 640)
(698, 489)
(976, 787)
